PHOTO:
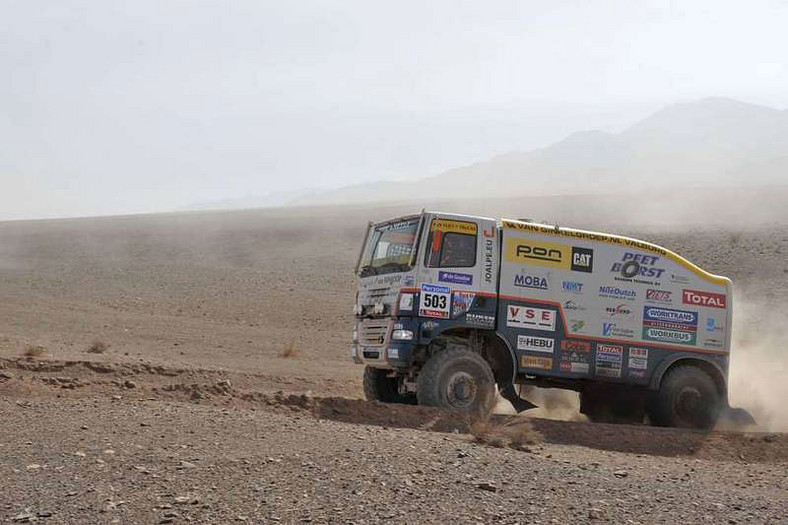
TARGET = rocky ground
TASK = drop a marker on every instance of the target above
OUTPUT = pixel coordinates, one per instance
(193, 367)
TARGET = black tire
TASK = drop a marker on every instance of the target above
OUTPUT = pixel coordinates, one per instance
(457, 379)
(687, 398)
(379, 387)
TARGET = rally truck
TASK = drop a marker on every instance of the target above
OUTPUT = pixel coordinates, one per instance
(453, 309)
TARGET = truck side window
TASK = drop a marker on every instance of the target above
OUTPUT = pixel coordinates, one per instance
(450, 250)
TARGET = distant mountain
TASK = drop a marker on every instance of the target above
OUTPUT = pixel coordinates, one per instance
(710, 142)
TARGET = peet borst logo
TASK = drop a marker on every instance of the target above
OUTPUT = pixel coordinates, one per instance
(659, 296)
(533, 318)
(568, 345)
(698, 298)
(531, 281)
(582, 259)
(637, 265)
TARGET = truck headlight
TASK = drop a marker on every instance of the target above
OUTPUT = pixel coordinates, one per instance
(354, 351)
(402, 335)
(355, 336)
(378, 308)
(357, 309)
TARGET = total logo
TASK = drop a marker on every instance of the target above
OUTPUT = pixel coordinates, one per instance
(698, 298)
(634, 265)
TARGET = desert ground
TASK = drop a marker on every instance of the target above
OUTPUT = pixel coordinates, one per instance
(194, 367)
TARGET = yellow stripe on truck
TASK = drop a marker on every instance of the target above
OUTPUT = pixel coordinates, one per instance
(616, 240)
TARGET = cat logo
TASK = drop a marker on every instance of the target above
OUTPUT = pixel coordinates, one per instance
(537, 253)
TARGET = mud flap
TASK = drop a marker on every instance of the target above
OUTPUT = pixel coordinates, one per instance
(519, 404)
(735, 417)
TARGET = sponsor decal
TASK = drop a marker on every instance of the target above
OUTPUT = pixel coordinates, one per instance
(638, 358)
(668, 336)
(574, 368)
(537, 253)
(527, 317)
(577, 326)
(621, 310)
(408, 281)
(450, 226)
(480, 320)
(535, 344)
(669, 326)
(640, 374)
(574, 356)
(435, 301)
(713, 343)
(582, 259)
(634, 265)
(572, 287)
(713, 326)
(461, 302)
(406, 302)
(589, 236)
(389, 279)
(614, 292)
(659, 296)
(679, 279)
(568, 345)
(456, 278)
(698, 298)
(530, 361)
(616, 330)
(608, 360)
(531, 281)
(489, 233)
(571, 305)
(489, 257)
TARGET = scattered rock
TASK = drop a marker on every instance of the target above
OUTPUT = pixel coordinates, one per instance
(129, 384)
(489, 486)
(621, 473)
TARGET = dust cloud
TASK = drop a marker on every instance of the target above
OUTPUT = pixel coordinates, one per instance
(759, 364)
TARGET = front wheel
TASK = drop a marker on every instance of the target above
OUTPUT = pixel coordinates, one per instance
(687, 398)
(378, 386)
(457, 379)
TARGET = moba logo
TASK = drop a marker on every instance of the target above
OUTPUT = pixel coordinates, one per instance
(710, 299)
(531, 281)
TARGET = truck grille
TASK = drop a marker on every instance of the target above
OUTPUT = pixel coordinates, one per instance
(373, 332)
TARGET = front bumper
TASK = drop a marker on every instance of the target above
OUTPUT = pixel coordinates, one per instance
(375, 345)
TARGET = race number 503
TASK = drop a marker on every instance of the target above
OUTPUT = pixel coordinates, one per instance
(435, 301)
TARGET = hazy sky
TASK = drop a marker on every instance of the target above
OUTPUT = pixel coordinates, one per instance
(117, 107)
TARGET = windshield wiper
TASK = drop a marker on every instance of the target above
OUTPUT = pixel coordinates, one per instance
(367, 270)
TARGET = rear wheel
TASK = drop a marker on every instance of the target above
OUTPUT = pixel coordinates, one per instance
(378, 386)
(688, 398)
(457, 379)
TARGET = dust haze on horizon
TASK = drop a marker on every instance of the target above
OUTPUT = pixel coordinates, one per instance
(114, 108)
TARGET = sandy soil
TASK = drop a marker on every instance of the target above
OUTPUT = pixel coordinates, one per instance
(195, 414)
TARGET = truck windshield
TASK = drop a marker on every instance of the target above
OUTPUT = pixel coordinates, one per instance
(389, 248)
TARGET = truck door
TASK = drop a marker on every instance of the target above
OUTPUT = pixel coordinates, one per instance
(458, 269)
